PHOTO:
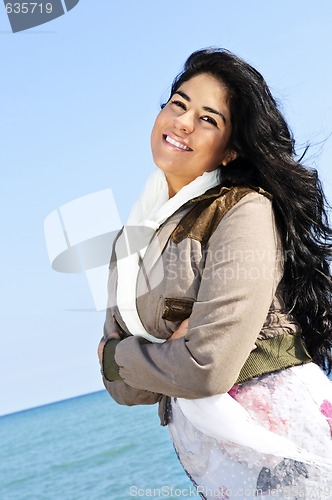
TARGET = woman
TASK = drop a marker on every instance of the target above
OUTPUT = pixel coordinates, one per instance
(220, 291)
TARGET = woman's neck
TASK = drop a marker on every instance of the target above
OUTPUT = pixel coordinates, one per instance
(175, 184)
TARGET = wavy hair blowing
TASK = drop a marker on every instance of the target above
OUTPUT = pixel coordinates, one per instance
(267, 158)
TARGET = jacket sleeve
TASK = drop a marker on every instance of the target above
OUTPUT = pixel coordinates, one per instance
(121, 392)
(242, 269)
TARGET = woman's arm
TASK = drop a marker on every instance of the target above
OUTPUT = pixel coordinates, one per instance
(121, 392)
(242, 271)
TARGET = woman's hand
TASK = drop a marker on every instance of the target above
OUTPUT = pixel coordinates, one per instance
(180, 332)
(114, 335)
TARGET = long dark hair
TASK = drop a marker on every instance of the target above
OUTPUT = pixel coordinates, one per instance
(267, 158)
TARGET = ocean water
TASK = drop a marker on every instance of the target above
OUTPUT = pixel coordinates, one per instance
(88, 448)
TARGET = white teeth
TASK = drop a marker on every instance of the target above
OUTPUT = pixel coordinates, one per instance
(176, 143)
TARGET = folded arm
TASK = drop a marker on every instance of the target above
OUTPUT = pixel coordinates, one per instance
(241, 273)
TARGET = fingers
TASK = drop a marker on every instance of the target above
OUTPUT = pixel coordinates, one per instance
(183, 328)
(181, 331)
(185, 324)
(100, 349)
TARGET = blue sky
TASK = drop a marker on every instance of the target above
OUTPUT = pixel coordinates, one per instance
(78, 100)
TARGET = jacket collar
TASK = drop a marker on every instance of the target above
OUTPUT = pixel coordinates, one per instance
(220, 190)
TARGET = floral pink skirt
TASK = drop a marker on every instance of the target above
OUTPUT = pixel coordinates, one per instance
(296, 403)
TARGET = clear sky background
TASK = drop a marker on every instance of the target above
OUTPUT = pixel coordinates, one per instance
(78, 99)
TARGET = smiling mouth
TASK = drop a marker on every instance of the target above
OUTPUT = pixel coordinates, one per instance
(177, 144)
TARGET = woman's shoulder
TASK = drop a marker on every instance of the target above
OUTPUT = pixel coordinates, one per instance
(247, 201)
(241, 208)
(249, 221)
(216, 207)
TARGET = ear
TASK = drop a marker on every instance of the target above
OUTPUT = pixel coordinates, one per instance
(231, 156)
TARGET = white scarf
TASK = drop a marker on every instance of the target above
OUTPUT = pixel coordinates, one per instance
(220, 416)
(150, 211)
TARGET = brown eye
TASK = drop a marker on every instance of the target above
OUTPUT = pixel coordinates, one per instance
(209, 120)
(179, 104)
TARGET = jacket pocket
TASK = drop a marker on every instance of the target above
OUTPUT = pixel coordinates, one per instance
(175, 309)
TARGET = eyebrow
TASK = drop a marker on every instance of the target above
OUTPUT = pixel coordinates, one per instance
(206, 108)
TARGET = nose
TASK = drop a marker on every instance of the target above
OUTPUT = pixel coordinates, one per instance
(185, 122)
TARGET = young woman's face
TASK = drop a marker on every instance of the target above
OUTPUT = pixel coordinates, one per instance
(191, 133)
